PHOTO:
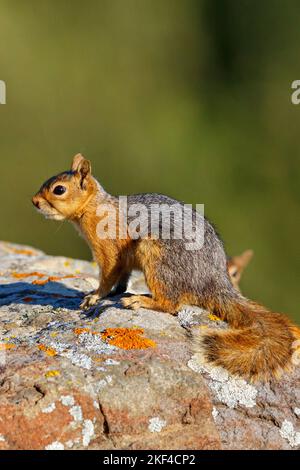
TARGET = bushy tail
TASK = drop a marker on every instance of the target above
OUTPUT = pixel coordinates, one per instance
(261, 344)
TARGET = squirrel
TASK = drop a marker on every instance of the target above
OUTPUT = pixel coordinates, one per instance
(236, 266)
(258, 345)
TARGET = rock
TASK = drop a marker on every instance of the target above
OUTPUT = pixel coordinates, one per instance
(64, 385)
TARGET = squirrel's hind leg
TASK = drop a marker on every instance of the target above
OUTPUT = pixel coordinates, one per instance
(142, 301)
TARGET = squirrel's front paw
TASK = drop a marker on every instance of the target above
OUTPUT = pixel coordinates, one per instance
(90, 300)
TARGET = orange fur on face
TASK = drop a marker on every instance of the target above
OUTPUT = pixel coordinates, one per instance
(79, 187)
(67, 205)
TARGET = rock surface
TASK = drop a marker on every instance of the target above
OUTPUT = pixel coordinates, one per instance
(65, 386)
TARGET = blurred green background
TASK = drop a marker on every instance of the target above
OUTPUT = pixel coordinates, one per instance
(189, 98)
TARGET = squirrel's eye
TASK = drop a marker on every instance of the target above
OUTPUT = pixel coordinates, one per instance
(59, 190)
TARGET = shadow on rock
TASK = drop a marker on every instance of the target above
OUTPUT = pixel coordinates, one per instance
(54, 293)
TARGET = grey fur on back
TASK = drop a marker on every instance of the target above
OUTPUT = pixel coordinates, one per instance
(202, 272)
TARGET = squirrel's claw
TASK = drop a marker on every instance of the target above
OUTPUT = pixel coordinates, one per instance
(89, 301)
(133, 302)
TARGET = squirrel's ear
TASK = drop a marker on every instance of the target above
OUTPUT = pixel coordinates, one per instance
(77, 160)
(244, 259)
(84, 168)
(237, 264)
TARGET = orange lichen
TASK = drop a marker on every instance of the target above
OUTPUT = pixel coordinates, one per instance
(213, 317)
(22, 252)
(124, 338)
(6, 346)
(163, 333)
(127, 338)
(79, 331)
(18, 251)
(97, 359)
(52, 373)
(39, 281)
(24, 275)
(47, 350)
(28, 299)
(51, 279)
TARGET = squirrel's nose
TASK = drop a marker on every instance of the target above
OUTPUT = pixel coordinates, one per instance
(36, 202)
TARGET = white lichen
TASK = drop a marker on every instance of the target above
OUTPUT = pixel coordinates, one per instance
(186, 317)
(2, 357)
(111, 362)
(297, 411)
(67, 400)
(80, 360)
(156, 424)
(228, 390)
(49, 408)
(88, 432)
(55, 446)
(95, 344)
(76, 412)
(2, 438)
(70, 444)
(217, 373)
(214, 413)
(235, 392)
(59, 347)
(103, 383)
(96, 405)
(287, 432)
(90, 343)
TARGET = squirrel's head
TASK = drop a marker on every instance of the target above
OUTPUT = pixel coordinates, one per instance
(63, 196)
(236, 266)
